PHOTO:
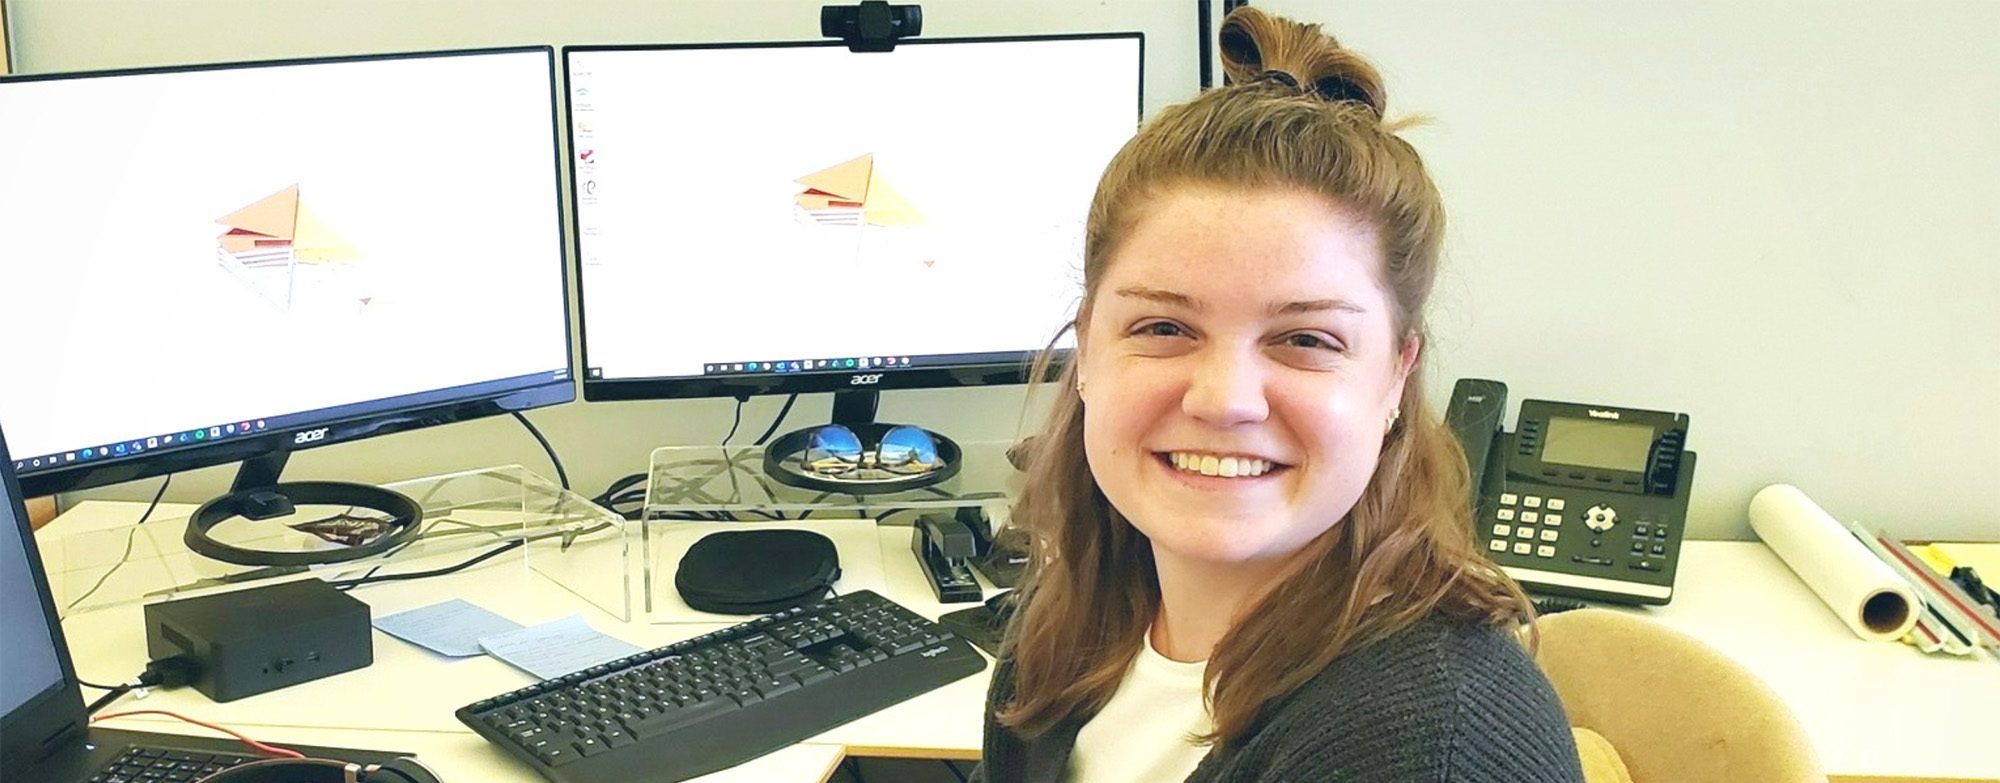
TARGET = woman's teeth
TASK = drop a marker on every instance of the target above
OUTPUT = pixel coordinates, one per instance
(1212, 465)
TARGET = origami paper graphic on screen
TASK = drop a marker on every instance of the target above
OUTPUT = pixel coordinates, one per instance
(852, 193)
(270, 239)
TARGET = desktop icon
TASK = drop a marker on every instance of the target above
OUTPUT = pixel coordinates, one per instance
(152, 443)
(121, 449)
(231, 429)
(215, 432)
(260, 424)
(70, 457)
(89, 453)
(38, 462)
(201, 434)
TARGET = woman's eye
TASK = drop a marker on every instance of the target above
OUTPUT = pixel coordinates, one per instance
(1160, 329)
(1311, 340)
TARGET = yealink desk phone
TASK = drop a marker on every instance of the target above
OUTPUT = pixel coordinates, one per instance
(1586, 501)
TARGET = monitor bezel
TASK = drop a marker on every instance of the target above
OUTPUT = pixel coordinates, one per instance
(1012, 371)
(349, 426)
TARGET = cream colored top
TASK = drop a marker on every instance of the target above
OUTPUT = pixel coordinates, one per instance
(1142, 734)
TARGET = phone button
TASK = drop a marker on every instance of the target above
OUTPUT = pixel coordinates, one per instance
(1552, 519)
(1509, 498)
(1502, 531)
(1545, 551)
(1549, 535)
(1530, 517)
(1556, 504)
(1532, 501)
(1645, 565)
(1523, 547)
(1505, 515)
(1497, 545)
(1524, 532)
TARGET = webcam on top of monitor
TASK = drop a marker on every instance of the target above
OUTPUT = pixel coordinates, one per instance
(872, 26)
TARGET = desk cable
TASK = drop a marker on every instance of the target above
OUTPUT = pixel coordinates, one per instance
(129, 536)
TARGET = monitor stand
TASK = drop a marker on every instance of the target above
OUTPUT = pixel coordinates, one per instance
(257, 495)
(784, 458)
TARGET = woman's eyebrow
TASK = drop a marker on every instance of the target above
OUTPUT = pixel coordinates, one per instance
(1315, 306)
(1161, 296)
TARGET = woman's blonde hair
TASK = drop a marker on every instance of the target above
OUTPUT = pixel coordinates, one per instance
(1302, 115)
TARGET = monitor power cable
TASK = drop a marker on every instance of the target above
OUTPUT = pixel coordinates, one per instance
(561, 475)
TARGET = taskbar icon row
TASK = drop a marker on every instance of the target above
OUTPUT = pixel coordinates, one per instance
(141, 445)
(807, 365)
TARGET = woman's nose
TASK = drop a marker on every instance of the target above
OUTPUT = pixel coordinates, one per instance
(1227, 389)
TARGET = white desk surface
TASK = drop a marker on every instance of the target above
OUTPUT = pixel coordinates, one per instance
(1876, 711)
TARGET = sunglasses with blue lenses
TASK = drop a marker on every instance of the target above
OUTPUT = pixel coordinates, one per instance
(834, 450)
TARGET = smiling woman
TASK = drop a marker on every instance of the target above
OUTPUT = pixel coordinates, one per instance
(1253, 554)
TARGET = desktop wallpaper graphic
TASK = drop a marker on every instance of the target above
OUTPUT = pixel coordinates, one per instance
(851, 193)
(876, 223)
(281, 250)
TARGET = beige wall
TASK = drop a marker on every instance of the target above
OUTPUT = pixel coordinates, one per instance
(1776, 216)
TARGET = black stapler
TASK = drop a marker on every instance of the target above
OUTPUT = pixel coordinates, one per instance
(942, 545)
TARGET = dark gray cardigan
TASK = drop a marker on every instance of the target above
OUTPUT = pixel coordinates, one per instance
(1434, 702)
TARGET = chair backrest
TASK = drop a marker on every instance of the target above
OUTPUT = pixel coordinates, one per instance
(1675, 708)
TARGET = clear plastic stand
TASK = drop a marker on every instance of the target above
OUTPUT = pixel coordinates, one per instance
(574, 543)
(697, 486)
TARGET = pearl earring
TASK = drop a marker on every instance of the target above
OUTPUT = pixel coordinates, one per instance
(1395, 416)
(1079, 385)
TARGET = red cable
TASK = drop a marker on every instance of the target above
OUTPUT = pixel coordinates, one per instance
(272, 750)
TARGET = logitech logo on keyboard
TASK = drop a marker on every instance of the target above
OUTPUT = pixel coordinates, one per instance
(933, 652)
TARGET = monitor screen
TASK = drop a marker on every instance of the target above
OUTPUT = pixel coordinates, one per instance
(800, 217)
(203, 263)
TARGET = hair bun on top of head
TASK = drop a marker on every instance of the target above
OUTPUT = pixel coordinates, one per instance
(1259, 47)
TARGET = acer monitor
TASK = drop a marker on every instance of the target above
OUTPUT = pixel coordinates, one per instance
(222, 263)
(798, 217)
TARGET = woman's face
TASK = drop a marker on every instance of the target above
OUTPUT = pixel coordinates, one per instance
(1239, 368)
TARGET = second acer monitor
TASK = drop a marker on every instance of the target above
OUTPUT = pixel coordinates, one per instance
(225, 263)
(798, 217)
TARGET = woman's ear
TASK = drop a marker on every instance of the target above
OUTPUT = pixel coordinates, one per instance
(1413, 347)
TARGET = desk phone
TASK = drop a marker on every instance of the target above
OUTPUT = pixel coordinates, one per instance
(1588, 501)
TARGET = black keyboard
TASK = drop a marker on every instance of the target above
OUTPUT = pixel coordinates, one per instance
(723, 698)
(164, 765)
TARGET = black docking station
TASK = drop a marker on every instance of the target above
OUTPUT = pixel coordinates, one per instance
(247, 642)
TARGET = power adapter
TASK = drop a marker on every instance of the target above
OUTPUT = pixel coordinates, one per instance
(247, 642)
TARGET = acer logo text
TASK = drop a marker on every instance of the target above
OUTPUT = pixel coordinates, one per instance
(310, 436)
(864, 380)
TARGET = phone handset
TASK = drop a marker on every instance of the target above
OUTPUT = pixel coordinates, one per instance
(1476, 414)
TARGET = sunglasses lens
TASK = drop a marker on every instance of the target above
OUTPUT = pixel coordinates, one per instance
(907, 449)
(832, 449)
